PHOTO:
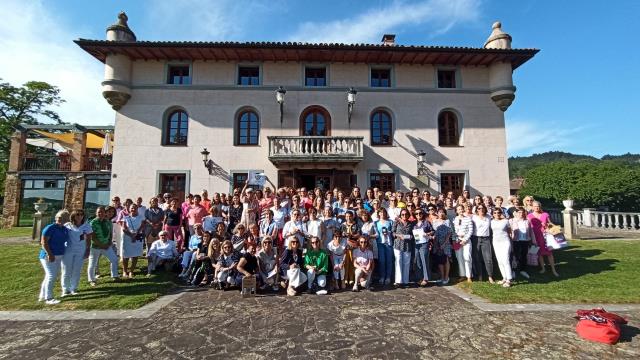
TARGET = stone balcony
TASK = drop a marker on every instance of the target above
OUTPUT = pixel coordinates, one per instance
(315, 149)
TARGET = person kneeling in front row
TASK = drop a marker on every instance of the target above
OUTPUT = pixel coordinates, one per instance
(316, 261)
(363, 263)
(162, 252)
(291, 265)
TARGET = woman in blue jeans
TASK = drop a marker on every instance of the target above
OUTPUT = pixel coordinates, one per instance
(423, 233)
(385, 247)
(54, 237)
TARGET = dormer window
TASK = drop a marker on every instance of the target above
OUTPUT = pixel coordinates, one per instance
(179, 75)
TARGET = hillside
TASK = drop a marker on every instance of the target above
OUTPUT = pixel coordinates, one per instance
(520, 165)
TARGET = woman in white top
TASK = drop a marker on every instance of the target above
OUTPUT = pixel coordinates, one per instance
(314, 225)
(77, 249)
(502, 245)
(337, 248)
(481, 251)
(368, 230)
(463, 227)
(133, 227)
(393, 210)
(522, 235)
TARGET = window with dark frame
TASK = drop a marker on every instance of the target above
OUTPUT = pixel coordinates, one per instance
(448, 132)
(383, 181)
(315, 121)
(249, 75)
(176, 129)
(248, 130)
(314, 76)
(179, 75)
(452, 182)
(381, 129)
(446, 79)
(380, 77)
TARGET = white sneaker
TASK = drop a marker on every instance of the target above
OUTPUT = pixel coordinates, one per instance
(445, 281)
(524, 274)
(74, 293)
(64, 293)
(321, 292)
(52, 302)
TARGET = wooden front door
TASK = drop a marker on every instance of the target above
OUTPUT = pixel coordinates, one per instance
(174, 184)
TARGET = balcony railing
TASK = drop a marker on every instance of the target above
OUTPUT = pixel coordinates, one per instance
(46, 163)
(315, 149)
(98, 163)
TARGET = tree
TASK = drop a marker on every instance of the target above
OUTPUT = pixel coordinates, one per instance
(607, 183)
(29, 104)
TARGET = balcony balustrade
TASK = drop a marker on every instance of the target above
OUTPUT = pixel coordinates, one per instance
(46, 163)
(343, 149)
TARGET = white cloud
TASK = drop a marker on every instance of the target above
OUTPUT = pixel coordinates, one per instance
(526, 136)
(439, 15)
(36, 45)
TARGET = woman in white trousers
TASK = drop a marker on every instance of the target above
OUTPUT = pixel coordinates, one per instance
(463, 226)
(54, 237)
(403, 232)
(76, 251)
(502, 245)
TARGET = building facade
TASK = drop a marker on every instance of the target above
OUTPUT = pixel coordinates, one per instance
(313, 115)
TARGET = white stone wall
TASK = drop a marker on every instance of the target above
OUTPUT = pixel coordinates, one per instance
(414, 104)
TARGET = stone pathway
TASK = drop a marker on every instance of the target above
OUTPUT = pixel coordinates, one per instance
(394, 324)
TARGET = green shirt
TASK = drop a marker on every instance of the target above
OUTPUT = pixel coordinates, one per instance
(102, 232)
(319, 259)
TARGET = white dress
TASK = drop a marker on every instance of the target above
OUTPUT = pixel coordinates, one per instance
(502, 246)
(131, 247)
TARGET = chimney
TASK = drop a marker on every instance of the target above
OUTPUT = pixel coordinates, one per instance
(389, 39)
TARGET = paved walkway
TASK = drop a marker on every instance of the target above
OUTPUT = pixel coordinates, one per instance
(403, 324)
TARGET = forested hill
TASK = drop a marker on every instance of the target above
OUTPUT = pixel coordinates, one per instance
(520, 165)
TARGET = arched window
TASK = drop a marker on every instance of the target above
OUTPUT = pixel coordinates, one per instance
(176, 128)
(315, 121)
(381, 129)
(448, 132)
(248, 130)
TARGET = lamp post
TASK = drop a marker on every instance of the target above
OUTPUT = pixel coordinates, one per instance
(351, 101)
(280, 100)
(422, 157)
(205, 159)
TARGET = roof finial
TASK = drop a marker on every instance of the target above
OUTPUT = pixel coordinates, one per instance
(498, 38)
(120, 31)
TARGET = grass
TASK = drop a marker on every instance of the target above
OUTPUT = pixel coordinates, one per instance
(22, 275)
(591, 271)
(15, 232)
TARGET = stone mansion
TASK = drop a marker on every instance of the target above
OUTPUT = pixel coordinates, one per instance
(315, 115)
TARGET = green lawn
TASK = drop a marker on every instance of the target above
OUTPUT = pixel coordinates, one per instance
(15, 232)
(591, 271)
(22, 275)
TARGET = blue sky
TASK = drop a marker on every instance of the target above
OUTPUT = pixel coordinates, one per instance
(579, 94)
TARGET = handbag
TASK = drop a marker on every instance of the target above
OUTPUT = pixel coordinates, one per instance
(599, 325)
(555, 241)
(532, 255)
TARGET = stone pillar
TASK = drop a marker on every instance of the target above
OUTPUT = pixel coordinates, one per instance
(78, 151)
(116, 87)
(586, 217)
(570, 224)
(18, 148)
(12, 189)
(74, 187)
(500, 73)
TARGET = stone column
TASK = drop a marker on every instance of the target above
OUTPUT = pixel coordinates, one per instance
(570, 224)
(74, 187)
(12, 184)
(78, 151)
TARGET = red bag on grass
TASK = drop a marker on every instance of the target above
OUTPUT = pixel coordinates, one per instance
(599, 325)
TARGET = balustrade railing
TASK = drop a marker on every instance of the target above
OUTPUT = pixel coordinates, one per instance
(98, 163)
(46, 163)
(609, 220)
(347, 148)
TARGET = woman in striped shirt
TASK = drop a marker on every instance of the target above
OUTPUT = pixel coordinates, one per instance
(463, 230)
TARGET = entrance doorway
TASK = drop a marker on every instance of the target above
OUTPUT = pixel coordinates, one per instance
(325, 179)
(173, 184)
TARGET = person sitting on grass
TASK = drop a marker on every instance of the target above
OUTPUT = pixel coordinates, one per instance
(226, 266)
(363, 264)
(316, 261)
(162, 252)
(54, 237)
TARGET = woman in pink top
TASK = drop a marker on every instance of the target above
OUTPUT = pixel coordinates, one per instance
(539, 223)
(196, 213)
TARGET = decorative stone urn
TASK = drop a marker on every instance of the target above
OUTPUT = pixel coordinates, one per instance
(568, 204)
(40, 206)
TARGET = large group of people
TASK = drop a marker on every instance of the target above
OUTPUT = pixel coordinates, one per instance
(294, 240)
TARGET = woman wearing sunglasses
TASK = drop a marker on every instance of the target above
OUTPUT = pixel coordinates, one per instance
(292, 264)
(502, 245)
(402, 246)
